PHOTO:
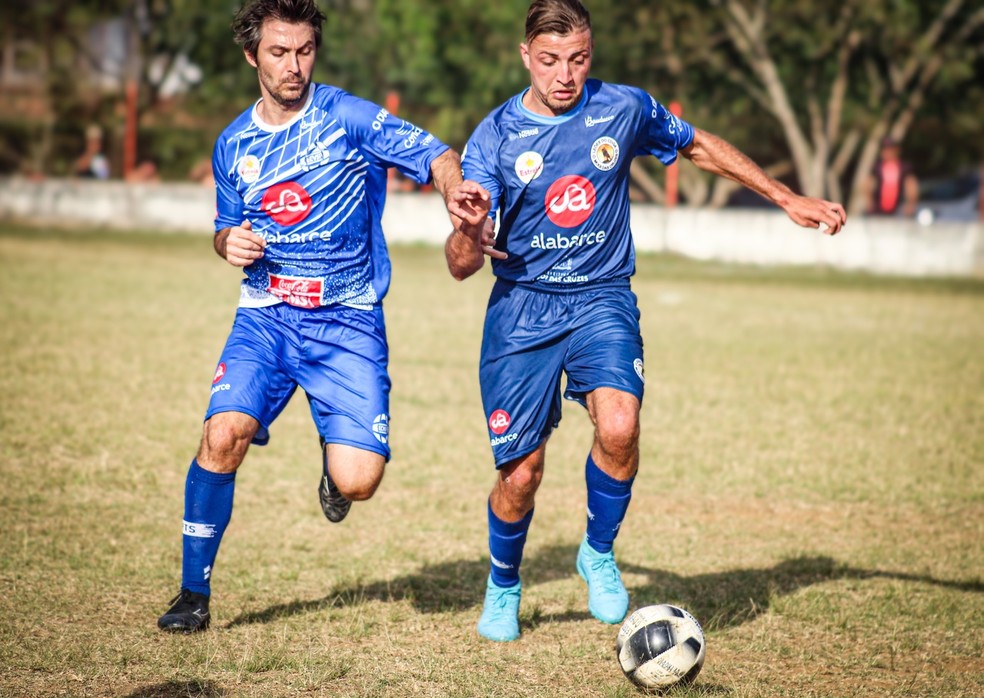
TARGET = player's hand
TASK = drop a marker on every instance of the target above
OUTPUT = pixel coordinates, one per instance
(487, 241)
(810, 212)
(468, 204)
(243, 246)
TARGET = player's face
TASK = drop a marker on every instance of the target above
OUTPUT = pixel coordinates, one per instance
(284, 63)
(559, 67)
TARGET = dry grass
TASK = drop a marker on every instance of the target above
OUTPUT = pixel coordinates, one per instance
(812, 489)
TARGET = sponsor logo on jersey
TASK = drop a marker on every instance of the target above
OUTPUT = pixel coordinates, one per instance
(525, 133)
(590, 121)
(249, 169)
(220, 388)
(298, 291)
(380, 428)
(377, 123)
(315, 156)
(309, 124)
(604, 153)
(529, 165)
(287, 203)
(562, 242)
(570, 200)
(639, 369)
(220, 371)
(499, 422)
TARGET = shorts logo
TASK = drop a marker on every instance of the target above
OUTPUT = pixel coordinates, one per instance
(297, 291)
(198, 530)
(529, 165)
(287, 203)
(499, 422)
(220, 371)
(640, 371)
(249, 169)
(604, 153)
(380, 428)
(569, 201)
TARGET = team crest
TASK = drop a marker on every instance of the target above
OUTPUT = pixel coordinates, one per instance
(529, 165)
(604, 153)
(249, 169)
(380, 428)
(640, 371)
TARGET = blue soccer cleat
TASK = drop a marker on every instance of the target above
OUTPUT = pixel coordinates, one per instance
(608, 600)
(500, 616)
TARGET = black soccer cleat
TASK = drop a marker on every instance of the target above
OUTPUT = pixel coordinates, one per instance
(333, 503)
(188, 613)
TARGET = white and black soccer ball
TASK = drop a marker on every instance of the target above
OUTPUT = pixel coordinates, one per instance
(659, 646)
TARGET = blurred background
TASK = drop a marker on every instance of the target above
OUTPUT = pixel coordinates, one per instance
(139, 89)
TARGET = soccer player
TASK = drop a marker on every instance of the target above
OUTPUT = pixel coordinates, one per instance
(301, 180)
(555, 160)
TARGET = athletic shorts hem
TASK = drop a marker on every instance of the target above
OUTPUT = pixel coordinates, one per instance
(575, 396)
(374, 448)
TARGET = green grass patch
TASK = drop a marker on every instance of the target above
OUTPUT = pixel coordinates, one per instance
(811, 488)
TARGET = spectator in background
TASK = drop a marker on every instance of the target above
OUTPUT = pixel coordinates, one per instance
(92, 162)
(892, 186)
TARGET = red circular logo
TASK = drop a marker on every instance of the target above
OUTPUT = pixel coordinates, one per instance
(499, 422)
(570, 200)
(220, 371)
(287, 203)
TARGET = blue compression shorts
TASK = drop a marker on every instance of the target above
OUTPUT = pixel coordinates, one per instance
(337, 355)
(531, 337)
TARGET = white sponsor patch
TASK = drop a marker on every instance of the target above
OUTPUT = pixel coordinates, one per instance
(249, 169)
(529, 165)
(639, 369)
(198, 530)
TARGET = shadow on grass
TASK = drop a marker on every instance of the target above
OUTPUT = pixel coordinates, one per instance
(720, 599)
(179, 689)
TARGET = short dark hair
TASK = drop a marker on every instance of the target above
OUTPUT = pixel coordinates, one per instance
(560, 17)
(247, 27)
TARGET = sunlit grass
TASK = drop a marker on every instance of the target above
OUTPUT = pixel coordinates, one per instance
(811, 488)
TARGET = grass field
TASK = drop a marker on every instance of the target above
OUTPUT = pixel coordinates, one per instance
(812, 489)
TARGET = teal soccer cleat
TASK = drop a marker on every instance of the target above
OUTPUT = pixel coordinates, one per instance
(500, 616)
(608, 600)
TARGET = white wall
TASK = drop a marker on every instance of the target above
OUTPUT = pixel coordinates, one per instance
(751, 236)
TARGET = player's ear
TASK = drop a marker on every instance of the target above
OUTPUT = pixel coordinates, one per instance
(250, 58)
(524, 51)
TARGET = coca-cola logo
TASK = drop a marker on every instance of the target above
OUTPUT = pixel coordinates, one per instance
(499, 422)
(287, 203)
(569, 201)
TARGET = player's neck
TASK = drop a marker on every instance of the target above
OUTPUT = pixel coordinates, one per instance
(275, 114)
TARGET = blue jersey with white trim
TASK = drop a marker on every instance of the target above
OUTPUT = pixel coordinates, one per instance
(560, 185)
(314, 189)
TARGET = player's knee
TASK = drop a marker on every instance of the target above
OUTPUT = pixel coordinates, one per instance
(520, 483)
(359, 489)
(224, 445)
(618, 432)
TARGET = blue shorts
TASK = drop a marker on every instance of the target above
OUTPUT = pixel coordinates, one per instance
(336, 354)
(531, 337)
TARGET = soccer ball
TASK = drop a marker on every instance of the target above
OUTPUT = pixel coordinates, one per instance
(659, 646)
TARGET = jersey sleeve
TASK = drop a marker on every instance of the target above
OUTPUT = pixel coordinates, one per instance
(228, 202)
(664, 134)
(389, 141)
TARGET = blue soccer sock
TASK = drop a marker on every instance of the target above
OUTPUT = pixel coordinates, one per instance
(506, 542)
(208, 508)
(608, 500)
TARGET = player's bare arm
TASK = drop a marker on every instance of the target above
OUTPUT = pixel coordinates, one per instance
(239, 245)
(715, 155)
(465, 255)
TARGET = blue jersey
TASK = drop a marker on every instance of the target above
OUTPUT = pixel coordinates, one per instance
(314, 189)
(560, 184)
